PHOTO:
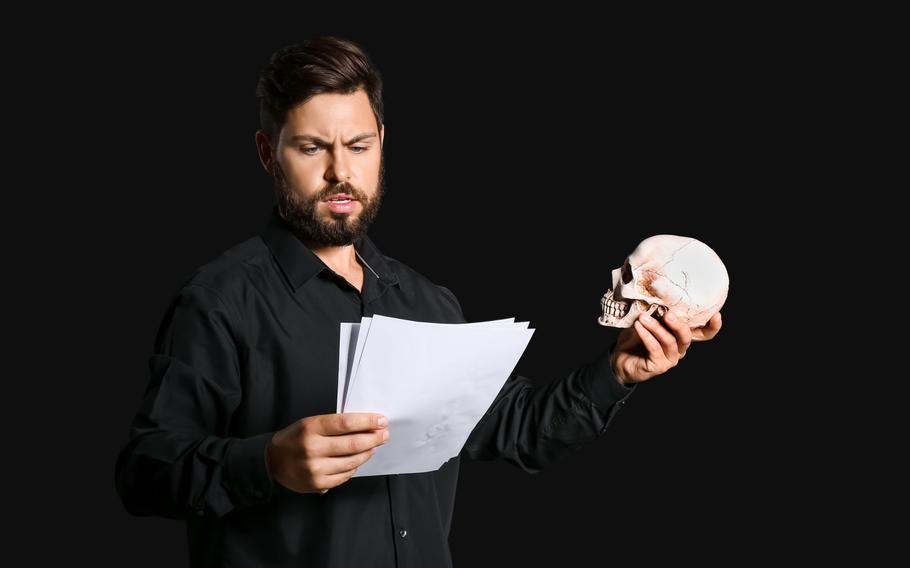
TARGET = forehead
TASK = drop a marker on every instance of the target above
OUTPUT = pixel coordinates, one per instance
(331, 114)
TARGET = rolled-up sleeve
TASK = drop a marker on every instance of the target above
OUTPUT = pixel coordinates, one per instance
(532, 427)
(180, 461)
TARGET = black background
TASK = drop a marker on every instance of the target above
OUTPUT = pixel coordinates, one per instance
(523, 164)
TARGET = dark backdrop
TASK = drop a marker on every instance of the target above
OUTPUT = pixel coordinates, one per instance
(522, 167)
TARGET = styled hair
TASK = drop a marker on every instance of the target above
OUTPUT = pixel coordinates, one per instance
(323, 64)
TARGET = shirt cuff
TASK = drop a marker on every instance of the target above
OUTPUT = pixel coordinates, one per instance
(602, 386)
(246, 475)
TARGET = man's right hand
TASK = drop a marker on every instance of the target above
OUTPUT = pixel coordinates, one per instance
(316, 453)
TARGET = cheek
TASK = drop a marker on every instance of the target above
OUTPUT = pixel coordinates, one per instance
(304, 178)
(371, 172)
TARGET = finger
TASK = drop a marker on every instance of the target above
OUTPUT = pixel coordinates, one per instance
(681, 330)
(662, 334)
(347, 422)
(351, 444)
(334, 480)
(715, 323)
(651, 344)
(709, 330)
(342, 465)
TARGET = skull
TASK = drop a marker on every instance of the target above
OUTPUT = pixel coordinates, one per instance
(664, 272)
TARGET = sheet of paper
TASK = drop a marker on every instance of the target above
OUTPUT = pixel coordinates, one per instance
(348, 359)
(433, 381)
(349, 332)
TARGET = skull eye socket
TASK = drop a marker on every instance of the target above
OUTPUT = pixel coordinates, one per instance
(626, 272)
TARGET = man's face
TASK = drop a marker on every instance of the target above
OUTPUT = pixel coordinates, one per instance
(330, 147)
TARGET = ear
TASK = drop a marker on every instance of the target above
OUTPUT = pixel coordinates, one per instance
(381, 134)
(264, 149)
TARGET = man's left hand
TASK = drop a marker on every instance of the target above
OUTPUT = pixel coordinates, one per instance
(707, 331)
(652, 347)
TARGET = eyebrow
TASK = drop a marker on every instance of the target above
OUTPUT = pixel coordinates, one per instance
(318, 140)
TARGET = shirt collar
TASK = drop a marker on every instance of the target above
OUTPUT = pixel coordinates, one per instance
(300, 264)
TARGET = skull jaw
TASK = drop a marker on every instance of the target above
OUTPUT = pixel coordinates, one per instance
(623, 313)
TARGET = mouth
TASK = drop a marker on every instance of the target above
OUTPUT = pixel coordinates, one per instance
(339, 198)
(611, 307)
(340, 203)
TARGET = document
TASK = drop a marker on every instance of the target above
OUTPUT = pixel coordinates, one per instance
(434, 382)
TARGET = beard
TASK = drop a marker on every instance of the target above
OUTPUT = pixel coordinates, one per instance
(340, 229)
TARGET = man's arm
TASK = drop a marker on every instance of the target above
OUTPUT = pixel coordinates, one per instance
(179, 461)
(532, 427)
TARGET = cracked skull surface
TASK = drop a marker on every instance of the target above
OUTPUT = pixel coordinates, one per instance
(666, 272)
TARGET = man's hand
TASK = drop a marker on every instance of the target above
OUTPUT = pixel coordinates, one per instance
(316, 453)
(651, 347)
(707, 331)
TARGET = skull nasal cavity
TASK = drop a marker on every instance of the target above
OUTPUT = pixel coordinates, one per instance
(626, 272)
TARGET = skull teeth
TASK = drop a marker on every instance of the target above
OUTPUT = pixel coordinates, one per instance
(613, 308)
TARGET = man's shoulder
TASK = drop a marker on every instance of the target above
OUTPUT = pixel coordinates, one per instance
(410, 277)
(421, 285)
(231, 271)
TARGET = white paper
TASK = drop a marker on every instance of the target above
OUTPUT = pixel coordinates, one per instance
(434, 382)
(348, 360)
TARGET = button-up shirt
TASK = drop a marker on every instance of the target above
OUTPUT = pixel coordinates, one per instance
(248, 345)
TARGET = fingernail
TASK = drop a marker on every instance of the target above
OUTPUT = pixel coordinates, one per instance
(646, 317)
(670, 317)
(383, 421)
(385, 435)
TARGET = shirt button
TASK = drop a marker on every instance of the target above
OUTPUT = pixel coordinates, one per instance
(403, 533)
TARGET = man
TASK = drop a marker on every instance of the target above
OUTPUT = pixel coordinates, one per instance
(237, 431)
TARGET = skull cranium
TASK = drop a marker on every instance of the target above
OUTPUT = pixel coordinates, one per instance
(664, 272)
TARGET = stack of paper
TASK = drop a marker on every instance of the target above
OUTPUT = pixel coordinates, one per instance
(434, 382)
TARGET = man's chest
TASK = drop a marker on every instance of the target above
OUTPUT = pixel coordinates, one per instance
(294, 359)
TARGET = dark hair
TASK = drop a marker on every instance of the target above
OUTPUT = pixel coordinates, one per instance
(324, 64)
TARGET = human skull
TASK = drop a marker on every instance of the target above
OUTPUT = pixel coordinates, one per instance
(663, 272)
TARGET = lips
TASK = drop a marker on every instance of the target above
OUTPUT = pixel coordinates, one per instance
(340, 197)
(336, 204)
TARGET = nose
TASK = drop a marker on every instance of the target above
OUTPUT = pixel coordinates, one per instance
(338, 169)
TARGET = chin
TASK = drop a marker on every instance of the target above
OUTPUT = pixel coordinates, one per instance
(345, 215)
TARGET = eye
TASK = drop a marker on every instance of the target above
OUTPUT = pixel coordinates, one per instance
(626, 272)
(360, 149)
(309, 150)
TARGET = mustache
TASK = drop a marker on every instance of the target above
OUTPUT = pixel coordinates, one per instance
(326, 192)
(343, 187)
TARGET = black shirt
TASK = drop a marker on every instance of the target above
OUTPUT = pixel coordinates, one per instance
(249, 345)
